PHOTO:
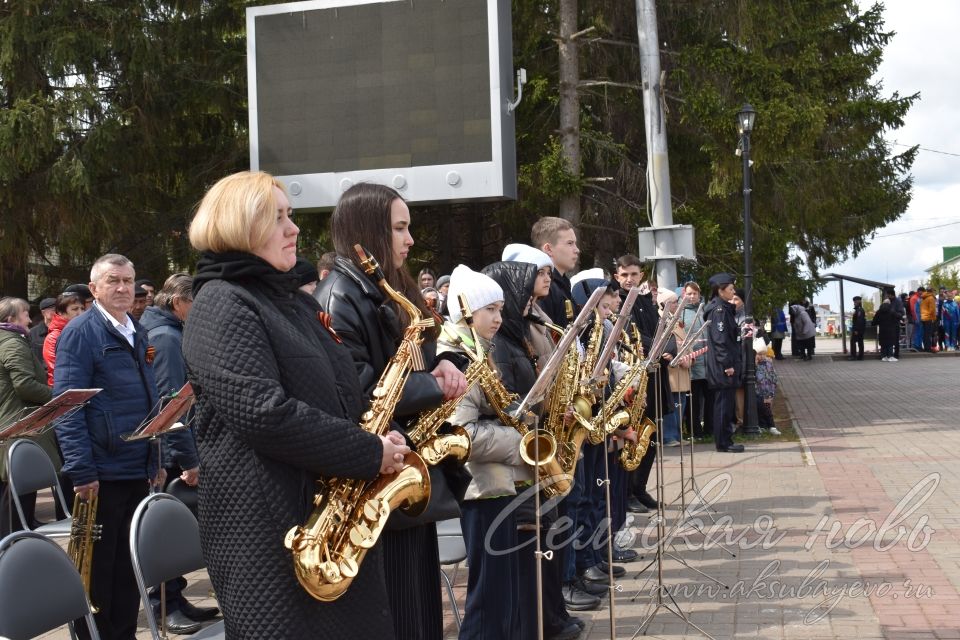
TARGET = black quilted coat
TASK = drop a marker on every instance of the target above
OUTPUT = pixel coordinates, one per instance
(278, 403)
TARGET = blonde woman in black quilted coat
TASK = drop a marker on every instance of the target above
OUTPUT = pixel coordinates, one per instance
(278, 404)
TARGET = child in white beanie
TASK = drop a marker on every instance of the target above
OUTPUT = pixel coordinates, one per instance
(492, 605)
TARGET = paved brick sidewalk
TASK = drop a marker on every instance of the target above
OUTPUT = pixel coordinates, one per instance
(842, 559)
(877, 433)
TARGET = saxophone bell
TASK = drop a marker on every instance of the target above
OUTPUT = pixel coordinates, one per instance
(538, 447)
(84, 532)
(633, 452)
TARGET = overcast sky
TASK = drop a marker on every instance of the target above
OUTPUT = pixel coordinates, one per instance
(922, 57)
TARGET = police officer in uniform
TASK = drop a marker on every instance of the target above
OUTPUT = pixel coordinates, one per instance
(724, 363)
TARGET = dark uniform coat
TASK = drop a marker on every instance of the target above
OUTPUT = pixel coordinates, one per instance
(723, 336)
(278, 404)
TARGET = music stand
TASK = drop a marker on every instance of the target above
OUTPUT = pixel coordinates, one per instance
(166, 420)
(43, 417)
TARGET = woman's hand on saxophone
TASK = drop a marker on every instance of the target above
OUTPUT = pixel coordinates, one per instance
(87, 491)
(451, 380)
(394, 450)
(631, 435)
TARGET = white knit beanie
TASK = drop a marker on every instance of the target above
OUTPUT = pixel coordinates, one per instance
(588, 274)
(526, 253)
(480, 290)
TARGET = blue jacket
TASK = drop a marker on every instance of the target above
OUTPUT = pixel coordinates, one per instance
(165, 335)
(92, 354)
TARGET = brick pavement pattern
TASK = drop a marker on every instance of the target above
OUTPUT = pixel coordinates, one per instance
(823, 551)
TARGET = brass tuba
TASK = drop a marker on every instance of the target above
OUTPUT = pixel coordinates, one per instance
(84, 531)
(349, 514)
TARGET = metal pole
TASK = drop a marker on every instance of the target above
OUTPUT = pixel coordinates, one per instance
(843, 322)
(750, 426)
(658, 167)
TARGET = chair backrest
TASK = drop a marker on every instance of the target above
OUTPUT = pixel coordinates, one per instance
(40, 589)
(30, 469)
(164, 540)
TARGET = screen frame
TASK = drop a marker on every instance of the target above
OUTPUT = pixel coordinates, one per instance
(493, 180)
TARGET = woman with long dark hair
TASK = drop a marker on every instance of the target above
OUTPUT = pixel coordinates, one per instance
(370, 326)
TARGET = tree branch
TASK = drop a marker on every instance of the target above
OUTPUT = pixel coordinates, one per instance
(607, 83)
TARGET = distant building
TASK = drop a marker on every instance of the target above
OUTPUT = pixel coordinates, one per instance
(951, 261)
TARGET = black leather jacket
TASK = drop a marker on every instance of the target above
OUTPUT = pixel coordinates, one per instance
(369, 327)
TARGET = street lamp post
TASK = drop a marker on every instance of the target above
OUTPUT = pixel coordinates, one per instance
(745, 120)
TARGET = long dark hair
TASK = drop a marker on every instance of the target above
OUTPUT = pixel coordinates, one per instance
(362, 216)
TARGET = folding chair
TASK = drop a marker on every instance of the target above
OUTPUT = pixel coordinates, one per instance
(452, 552)
(164, 544)
(40, 589)
(29, 469)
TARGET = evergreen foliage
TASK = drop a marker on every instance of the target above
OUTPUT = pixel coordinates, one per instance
(116, 117)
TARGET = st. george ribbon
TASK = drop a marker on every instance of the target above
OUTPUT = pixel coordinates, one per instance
(550, 370)
(691, 339)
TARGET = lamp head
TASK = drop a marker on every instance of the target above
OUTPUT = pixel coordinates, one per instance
(746, 118)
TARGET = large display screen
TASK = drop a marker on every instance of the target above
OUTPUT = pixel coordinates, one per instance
(400, 92)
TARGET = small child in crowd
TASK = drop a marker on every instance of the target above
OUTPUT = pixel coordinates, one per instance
(767, 381)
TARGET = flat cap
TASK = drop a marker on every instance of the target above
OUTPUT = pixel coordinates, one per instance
(46, 303)
(80, 289)
(721, 279)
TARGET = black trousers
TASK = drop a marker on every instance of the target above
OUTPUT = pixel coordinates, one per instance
(724, 413)
(777, 348)
(928, 329)
(856, 343)
(492, 609)
(10, 520)
(764, 414)
(112, 585)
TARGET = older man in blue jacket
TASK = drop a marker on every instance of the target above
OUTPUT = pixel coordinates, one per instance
(106, 348)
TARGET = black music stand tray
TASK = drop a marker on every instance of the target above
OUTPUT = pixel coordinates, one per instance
(45, 415)
(167, 420)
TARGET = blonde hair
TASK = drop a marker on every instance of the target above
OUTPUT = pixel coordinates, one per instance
(547, 230)
(237, 213)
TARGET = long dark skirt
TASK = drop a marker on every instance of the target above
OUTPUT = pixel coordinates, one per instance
(412, 567)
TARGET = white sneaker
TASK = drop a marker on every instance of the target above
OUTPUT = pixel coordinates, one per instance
(774, 431)
(884, 359)
(892, 360)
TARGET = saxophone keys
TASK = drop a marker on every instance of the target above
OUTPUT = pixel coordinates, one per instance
(349, 567)
(373, 509)
(362, 536)
(331, 572)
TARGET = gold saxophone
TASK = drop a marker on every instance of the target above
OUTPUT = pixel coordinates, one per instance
(633, 452)
(568, 433)
(84, 531)
(434, 446)
(349, 514)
